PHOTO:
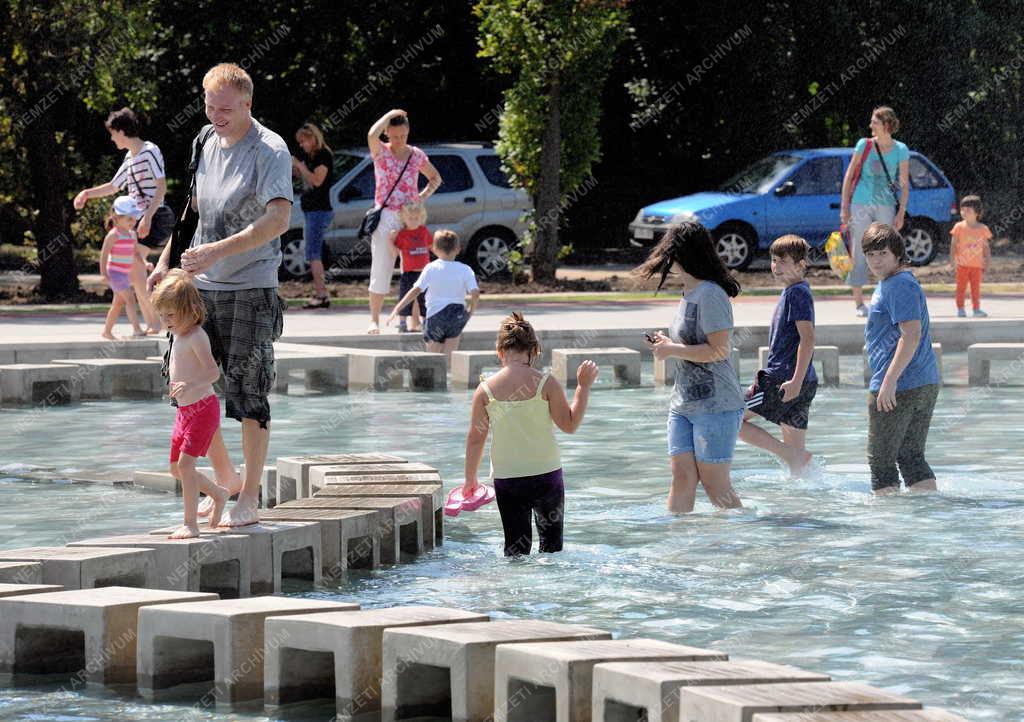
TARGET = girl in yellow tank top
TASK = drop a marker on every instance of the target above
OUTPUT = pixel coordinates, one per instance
(520, 407)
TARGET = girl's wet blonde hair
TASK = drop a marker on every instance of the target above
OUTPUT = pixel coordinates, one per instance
(178, 294)
(516, 334)
(414, 212)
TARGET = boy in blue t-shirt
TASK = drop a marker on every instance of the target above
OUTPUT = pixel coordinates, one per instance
(904, 374)
(784, 388)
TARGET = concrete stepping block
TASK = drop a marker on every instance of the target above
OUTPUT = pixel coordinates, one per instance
(277, 550)
(216, 563)
(42, 352)
(158, 481)
(740, 703)
(104, 378)
(399, 520)
(39, 383)
(936, 349)
(75, 568)
(827, 355)
(625, 361)
(321, 372)
(380, 370)
(665, 369)
(21, 573)
(320, 476)
(293, 471)
(89, 633)
(349, 539)
(431, 503)
(17, 590)
(981, 355)
(926, 715)
(468, 365)
(553, 682)
(448, 671)
(340, 654)
(628, 691)
(220, 642)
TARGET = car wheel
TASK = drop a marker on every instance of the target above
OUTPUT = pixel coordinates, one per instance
(488, 251)
(293, 259)
(735, 246)
(922, 241)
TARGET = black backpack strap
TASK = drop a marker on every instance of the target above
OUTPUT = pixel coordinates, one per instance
(197, 152)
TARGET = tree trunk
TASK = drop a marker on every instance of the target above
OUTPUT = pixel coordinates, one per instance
(58, 278)
(546, 202)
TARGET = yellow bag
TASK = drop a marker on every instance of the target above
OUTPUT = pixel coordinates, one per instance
(838, 255)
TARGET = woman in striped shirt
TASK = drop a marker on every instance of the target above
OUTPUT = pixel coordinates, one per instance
(141, 176)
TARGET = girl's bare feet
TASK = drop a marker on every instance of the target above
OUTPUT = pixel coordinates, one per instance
(109, 336)
(233, 487)
(184, 532)
(220, 497)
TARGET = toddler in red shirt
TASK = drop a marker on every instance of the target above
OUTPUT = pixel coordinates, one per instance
(414, 242)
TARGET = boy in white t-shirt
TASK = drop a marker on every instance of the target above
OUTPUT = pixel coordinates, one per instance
(446, 283)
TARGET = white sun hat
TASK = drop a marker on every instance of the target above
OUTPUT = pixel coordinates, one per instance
(125, 206)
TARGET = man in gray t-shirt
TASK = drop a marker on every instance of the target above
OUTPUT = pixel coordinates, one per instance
(243, 194)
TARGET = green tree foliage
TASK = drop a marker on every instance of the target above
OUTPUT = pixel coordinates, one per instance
(559, 53)
(677, 112)
(61, 62)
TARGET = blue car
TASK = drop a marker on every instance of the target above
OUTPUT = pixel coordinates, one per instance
(797, 191)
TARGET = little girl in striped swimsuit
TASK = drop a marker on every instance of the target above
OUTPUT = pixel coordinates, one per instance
(522, 406)
(120, 249)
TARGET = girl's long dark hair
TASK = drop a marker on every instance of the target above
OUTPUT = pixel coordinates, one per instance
(689, 244)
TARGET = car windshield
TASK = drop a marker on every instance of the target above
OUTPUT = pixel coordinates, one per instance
(759, 177)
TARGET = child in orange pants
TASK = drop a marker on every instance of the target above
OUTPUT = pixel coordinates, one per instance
(970, 254)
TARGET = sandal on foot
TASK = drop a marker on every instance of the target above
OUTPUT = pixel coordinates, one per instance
(324, 302)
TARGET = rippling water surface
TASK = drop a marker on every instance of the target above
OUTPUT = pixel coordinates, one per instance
(921, 595)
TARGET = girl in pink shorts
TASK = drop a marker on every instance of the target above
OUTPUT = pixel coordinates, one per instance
(193, 371)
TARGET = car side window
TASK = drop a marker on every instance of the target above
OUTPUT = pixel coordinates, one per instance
(491, 166)
(455, 175)
(360, 188)
(819, 177)
(922, 176)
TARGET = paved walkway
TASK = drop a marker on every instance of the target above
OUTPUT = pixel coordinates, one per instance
(749, 311)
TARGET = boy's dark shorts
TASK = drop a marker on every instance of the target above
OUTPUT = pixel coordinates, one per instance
(242, 327)
(766, 401)
(446, 323)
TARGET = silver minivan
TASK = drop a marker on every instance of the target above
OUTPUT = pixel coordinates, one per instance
(475, 200)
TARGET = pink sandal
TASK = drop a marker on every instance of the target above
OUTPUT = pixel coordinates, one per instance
(457, 502)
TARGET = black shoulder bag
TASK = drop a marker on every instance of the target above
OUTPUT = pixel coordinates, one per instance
(185, 226)
(893, 187)
(372, 218)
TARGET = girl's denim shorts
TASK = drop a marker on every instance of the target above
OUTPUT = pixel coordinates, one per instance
(711, 437)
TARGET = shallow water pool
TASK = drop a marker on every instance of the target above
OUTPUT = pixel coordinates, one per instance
(921, 595)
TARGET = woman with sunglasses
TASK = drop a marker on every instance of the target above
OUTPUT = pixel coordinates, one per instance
(707, 402)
